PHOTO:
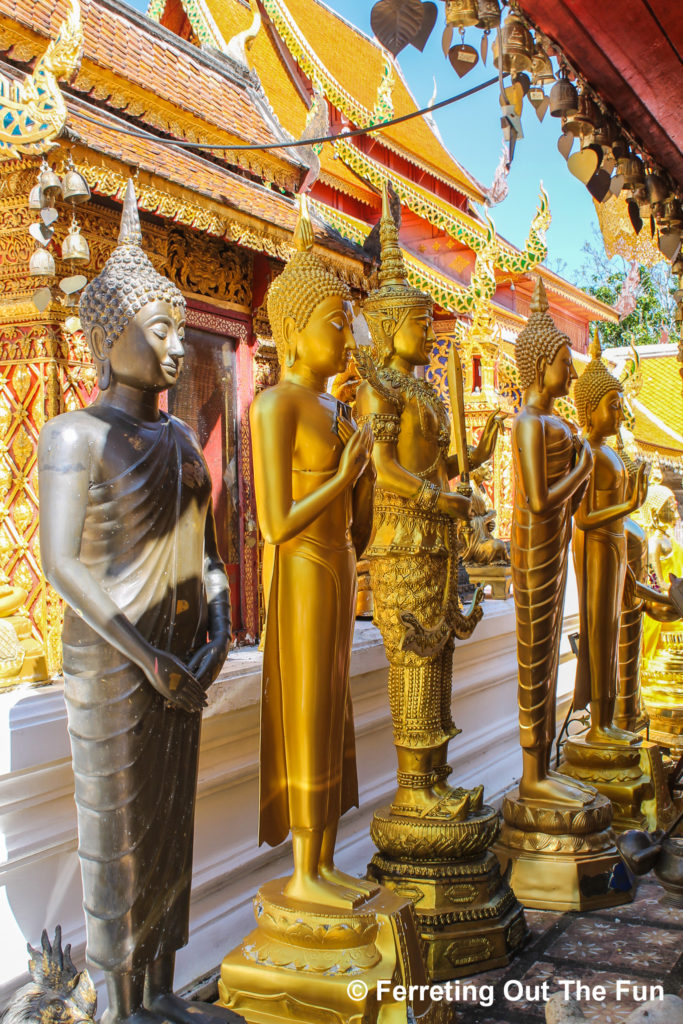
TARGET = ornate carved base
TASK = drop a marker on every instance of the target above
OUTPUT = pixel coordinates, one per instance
(498, 577)
(301, 962)
(468, 917)
(632, 779)
(562, 859)
(666, 719)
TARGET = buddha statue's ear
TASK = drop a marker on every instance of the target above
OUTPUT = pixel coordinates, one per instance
(99, 346)
(289, 335)
(541, 367)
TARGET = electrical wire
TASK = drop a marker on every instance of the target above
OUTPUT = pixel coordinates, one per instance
(148, 136)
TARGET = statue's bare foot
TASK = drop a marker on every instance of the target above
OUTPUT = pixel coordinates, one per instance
(361, 886)
(426, 803)
(611, 735)
(168, 1007)
(314, 889)
(550, 792)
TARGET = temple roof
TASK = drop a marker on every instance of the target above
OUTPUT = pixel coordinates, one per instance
(657, 403)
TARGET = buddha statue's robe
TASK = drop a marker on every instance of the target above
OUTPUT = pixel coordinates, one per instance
(134, 755)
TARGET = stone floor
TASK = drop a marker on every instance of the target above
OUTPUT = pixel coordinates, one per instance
(639, 944)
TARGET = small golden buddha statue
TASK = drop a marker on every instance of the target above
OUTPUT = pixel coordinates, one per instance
(413, 559)
(609, 756)
(556, 830)
(22, 657)
(314, 485)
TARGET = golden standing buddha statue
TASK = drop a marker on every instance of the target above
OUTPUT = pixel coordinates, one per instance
(662, 665)
(320, 928)
(466, 911)
(609, 757)
(556, 830)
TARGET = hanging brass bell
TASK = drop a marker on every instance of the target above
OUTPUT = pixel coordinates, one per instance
(672, 214)
(461, 13)
(49, 182)
(564, 98)
(603, 133)
(518, 45)
(75, 188)
(656, 188)
(489, 14)
(75, 246)
(585, 118)
(633, 172)
(541, 66)
(42, 263)
(35, 199)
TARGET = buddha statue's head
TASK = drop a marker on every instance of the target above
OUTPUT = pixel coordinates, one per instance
(597, 396)
(309, 309)
(659, 511)
(133, 318)
(399, 316)
(542, 352)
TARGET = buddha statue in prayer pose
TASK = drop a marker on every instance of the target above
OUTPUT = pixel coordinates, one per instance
(600, 550)
(551, 467)
(128, 540)
(313, 498)
(413, 548)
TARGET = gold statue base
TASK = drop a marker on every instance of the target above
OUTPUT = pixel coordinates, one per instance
(498, 577)
(562, 859)
(663, 701)
(468, 917)
(632, 778)
(305, 964)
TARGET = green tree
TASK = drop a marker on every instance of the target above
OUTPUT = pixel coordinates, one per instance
(655, 305)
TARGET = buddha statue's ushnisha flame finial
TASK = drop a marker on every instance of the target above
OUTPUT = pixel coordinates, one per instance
(303, 284)
(127, 282)
(594, 383)
(540, 338)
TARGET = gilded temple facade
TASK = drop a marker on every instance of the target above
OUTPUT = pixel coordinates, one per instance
(219, 224)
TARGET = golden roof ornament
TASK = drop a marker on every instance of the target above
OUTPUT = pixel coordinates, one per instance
(303, 284)
(595, 382)
(539, 339)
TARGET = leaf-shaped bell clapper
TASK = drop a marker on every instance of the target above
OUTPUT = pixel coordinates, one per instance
(75, 246)
(35, 199)
(462, 13)
(75, 188)
(518, 45)
(564, 98)
(50, 183)
(489, 14)
(42, 263)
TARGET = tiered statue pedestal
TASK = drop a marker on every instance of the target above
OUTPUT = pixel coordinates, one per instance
(468, 917)
(632, 778)
(498, 577)
(307, 965)
(562, 859)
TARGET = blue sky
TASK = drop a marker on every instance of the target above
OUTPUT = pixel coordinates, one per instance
(471, 131)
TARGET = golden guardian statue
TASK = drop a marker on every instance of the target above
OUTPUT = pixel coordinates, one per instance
(320, 929)
(556, 832)
(433, 838)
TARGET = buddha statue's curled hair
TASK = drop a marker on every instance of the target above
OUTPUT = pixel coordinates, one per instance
(303, 284)
(127, 282)
(540, 338)
(594, 383)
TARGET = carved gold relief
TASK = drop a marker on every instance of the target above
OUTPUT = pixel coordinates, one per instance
(209, 267)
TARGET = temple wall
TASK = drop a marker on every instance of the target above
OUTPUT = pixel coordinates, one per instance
(39, 873)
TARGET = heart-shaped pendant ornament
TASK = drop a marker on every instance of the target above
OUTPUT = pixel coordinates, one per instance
(599, 184)
(48, 216)
(634, 215)
(40, 233)
(565, 144)
(464, 58)
(42, 299)
(397, 22)
(608, 162)
(515, 97)
(583, 164)
(71, 324)
(524, 81)
(542, 108)
(69, 285)
(617, 184)
(428, 22)
(670, 244)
